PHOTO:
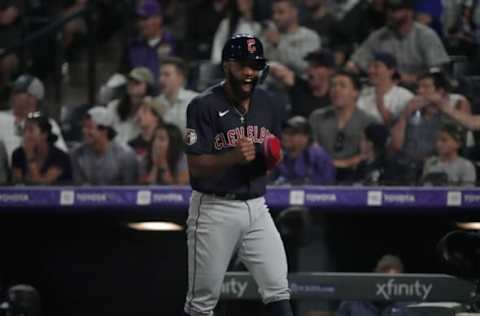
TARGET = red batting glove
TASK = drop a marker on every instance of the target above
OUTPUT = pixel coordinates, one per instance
(273, 151)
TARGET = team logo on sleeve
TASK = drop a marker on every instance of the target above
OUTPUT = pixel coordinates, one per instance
(190, 137)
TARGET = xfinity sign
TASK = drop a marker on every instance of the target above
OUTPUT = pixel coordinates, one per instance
(234, 287)
(393, 288)
(413, 287)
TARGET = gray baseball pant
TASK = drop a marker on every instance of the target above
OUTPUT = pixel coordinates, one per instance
(216, 228)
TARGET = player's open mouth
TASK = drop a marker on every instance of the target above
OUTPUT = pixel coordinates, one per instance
(247, 84)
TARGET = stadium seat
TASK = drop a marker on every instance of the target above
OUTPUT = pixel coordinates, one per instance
(437, 309)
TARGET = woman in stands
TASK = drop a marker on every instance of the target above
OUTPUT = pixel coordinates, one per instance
(148, 118)
(140, 84)
(38, 161)
(166, 162)
(241, 19)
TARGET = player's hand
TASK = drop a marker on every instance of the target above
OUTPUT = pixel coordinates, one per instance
(273, 151)
(245, 150)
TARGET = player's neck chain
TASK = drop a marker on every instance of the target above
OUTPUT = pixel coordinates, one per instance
(237, 107)
(241, 114)
(242, 111)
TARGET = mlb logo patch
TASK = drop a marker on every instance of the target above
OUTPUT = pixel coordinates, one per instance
(190, 137)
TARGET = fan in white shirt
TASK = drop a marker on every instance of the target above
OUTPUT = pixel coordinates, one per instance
(240, 20)
(173, 96)
(27, 95)
(384, 100)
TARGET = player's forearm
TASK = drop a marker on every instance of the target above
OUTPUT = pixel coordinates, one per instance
(211, 165)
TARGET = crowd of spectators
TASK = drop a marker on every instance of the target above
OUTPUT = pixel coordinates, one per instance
(366, 89)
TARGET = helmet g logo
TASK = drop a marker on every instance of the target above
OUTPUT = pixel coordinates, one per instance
(251, 45)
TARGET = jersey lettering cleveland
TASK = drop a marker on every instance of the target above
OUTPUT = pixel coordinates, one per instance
(214, 126)
(229, 139)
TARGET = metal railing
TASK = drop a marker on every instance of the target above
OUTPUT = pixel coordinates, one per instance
(55, 28)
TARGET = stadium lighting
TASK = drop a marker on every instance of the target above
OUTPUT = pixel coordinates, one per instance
(155, 226)
(469, 225)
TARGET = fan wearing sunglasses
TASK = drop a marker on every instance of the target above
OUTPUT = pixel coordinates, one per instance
(338, 128)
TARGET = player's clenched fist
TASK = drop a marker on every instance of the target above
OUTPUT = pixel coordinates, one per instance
(245, 150)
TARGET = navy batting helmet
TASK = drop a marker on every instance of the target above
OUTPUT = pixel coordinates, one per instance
(244, 47)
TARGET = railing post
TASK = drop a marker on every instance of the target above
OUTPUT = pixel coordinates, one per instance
(92, 55)
(58, 71)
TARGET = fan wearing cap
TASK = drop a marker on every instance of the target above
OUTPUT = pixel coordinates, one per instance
(139, 85)
(416, 47)
(384, 99)
(304, 162)
(26, 97)
(231, 143)
(314, 93)
(154, 42)
(38, 161)
(100, 160)
(458, 170)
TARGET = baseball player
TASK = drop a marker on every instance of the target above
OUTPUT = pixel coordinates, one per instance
(230, 146)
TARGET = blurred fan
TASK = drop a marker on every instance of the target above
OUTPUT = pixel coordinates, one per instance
(460, 253)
